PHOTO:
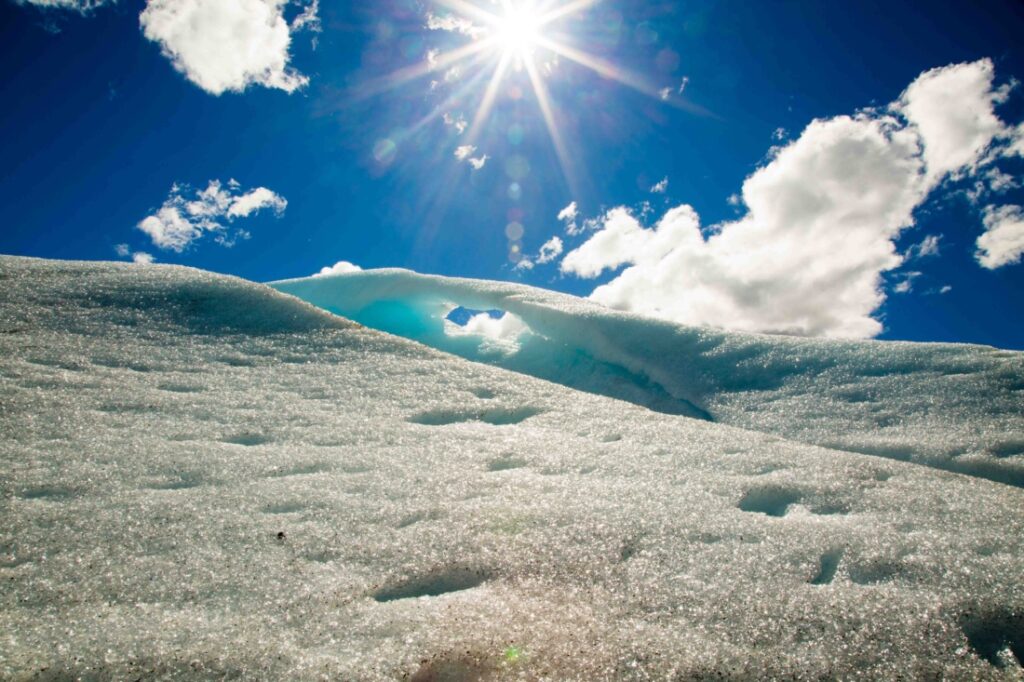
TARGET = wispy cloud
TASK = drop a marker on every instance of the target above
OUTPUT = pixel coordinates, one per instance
(660, 187)
(454, 24)
(568, 216)
(550, 250)
(186, 216)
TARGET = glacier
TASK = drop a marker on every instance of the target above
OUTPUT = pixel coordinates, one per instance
(208, 478)
(954, 407)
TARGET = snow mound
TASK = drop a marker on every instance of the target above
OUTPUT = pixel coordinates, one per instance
(954, 407)
(201, 478)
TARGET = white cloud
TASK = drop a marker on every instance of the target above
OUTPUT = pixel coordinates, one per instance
(465, 153)
(779, 134)
(523, 264)
(946, 289)
(82, 6)
(550, 250)
(454, 24)
(123, 250)
(309, 19)
(734, 199)
(929, 246)
(822, 216)
(953, 109)
(1003, 240)
(665, 93)
(683, 83)
(905, 282)
(660, 187)
(999, 182)
(142, 258)
(340, 268)
(181, 221)
(226, 46)
(458, 122)
(498, 335)
(568, 216)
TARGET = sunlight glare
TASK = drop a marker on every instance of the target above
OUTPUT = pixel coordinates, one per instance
(518, 31)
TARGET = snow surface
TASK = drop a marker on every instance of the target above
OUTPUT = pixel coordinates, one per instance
(201, 478)
(955, 407)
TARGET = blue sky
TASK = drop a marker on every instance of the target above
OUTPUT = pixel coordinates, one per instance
(357, 164)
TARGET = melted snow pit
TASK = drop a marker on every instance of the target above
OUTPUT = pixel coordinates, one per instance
(201, 478)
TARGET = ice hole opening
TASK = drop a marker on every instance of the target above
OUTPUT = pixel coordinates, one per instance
(461, 315)
(498, 332)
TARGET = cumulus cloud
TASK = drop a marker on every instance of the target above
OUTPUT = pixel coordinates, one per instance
(140, 257)
(808, 255)
(227, 46)
(660, 187)
(953, 109)
(340, 268)
(1003, 240)
(186, 216)
(550, 250)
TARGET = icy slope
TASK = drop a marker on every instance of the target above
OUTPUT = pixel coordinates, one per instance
(955, 407)
(203, 479)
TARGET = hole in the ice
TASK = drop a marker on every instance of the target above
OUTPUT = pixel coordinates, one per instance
(589, 469)
(237, 361)
(997, 636)
(465, 668)
(284, 508)
(874, 571)
(300, 470)
(506, 462)
(772, 500)
(827, 567)
(882, 476)
(1010, 448)
(47, 492)
(629, 549)
(418, 517)
(180, 388)
(497, 331)
(248, 439)
(611, 438)
(484, 393)
(57, 364)
(433, 584)
(496, 417)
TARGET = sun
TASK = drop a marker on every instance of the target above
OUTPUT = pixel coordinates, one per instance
(518, 32)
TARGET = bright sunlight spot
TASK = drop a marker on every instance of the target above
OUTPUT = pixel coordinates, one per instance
(518, 31)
